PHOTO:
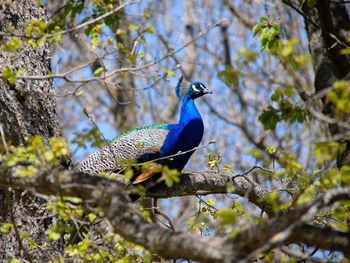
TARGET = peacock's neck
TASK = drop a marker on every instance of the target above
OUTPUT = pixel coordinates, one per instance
(189, 111)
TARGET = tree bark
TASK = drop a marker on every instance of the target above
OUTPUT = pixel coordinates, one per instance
(327, 25)
(27, 109)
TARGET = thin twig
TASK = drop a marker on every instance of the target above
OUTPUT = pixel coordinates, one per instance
(322, 117)
(74, 28)
(123, 69)
(176, 154)
(167, 218)
(2, 134)
(300, 256)
(90, 118)
(253, 168)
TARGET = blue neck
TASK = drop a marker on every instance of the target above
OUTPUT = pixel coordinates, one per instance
(183, 136)
(188, 111)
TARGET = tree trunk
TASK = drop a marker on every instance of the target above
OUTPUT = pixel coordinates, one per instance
(124, 95)
(328, 26)
(27, 108)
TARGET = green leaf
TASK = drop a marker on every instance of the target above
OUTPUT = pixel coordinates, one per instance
(256, 153)
(13, 44)
(228, 168)
(340, 97)
(270, 34)
(273, 199)
(9, 75)
(264, 19)
(271, 150)
(327, 151)
(171, 176)
(31, 244)
(195, 226)
(307, 195)
(133, 27)
(345, 51)
(149, 29)
(210, 202)
(85, 19)
(269, 118)
(169, 72)
(94, 42)
(49, 156)
(59, 146)
(230, 76)
(110, 41)
(311, 3)
(5, 227)
(98, 71)
(227, 216)
(28, 171)
(73, 199)
(92, 217)
(147, 16)
(53, 234)
(257, 29)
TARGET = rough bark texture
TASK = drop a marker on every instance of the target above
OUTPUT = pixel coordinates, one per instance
(327, 25)
(26, 109)
(28, 106)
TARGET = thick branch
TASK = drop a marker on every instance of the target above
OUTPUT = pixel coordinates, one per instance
(281, 230)
(239, 14)
(197, 183)
(123, 215)
(322, 238)
(126, 220)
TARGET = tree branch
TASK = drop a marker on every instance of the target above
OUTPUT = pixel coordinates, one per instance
(204, 183)
(127, 221)
(109, 74)
(125, 218)
(74, 28)
(323, 238)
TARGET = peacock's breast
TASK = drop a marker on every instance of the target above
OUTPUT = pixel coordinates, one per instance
(182, 138)
(190, 135)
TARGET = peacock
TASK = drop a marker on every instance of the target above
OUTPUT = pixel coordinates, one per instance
(154, 142)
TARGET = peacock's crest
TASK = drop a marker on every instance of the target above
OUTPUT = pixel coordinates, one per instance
(182, 86)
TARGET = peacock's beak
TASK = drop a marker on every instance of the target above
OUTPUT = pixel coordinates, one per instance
(207, 91)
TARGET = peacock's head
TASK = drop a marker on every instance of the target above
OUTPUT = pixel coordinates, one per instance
(193, 90)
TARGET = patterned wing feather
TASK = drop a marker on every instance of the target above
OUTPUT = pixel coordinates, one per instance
(141, 144)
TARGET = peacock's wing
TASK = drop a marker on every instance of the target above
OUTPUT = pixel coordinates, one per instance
(137, 145)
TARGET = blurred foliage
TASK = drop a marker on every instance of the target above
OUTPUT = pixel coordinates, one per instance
(33, 157)
(286, 112)
(284, 97)
(91, 136)
(340, 97)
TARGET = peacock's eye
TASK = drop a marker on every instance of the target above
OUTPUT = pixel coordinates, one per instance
(195, 88)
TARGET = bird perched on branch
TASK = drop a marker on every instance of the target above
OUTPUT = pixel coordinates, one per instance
(154, 142)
